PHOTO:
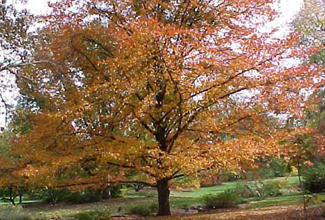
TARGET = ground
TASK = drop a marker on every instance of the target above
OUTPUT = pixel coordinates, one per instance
(292, 212)
(281, 207)
(271, 211)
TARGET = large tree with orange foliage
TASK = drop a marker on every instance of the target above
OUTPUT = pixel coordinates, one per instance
(162, 88)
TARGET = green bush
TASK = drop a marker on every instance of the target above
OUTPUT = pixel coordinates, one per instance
(116, 191)
(314, 178)
(54, 196)
(271, 188)
(227, 199)
(93, 215)
(144, 209)
(274, 167)
(245, 190)
(84, 196)
(10, 212)
(259, 189)
(51, 196)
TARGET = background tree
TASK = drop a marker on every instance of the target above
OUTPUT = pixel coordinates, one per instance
(16, 39)
(12, 182)
(310, 23)
(163, 88)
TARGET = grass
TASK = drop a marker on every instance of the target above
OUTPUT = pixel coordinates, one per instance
(145, 193)
(227, 185)
(275, 201)
(177, 203)
(29, 201)
(196, 193)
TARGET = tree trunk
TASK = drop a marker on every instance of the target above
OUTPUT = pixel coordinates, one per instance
(11, 196)
(163, 198)
(106, 194)
(20, 199)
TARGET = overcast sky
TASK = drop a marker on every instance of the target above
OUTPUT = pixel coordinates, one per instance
(288, 8)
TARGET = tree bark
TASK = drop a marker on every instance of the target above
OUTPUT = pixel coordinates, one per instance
(163, 197)
(106, 194)
(20, 199)
(11, 196)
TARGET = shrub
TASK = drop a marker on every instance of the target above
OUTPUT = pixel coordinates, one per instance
(10, 212)
(314, 178)
(93, 215)
(52, 196)
(245, 190)
(144, 209)
(259, 189)
(227, 199)
(279, 167)
(271, 188)
(273, 167)
(84, 196)
(116, 191)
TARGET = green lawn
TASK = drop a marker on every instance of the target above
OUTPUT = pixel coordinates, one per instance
(195, 193)
(274, 201)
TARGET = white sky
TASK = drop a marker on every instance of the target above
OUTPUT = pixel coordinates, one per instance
(288, 8)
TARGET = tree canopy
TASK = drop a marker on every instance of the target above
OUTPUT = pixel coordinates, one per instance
(163, 89)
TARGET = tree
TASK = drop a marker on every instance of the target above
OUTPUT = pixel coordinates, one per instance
(310, 22)
(162, 88)
(12, 182)
(15, 44)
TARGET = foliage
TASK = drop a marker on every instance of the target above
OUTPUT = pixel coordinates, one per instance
(210, 178)
(314, 178)
(185, 183)
(10, 212)
(275, 167)
(245, 190)
(12, 183)
(227, 199)
(157, 88)
(116, 191)
(310, 22)
(272, 188)
(136, 186)
(93, 215)
(52, 196)
(231, 175)
(83, 196)
(259, 189)
(15, 47)
(144, 209)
